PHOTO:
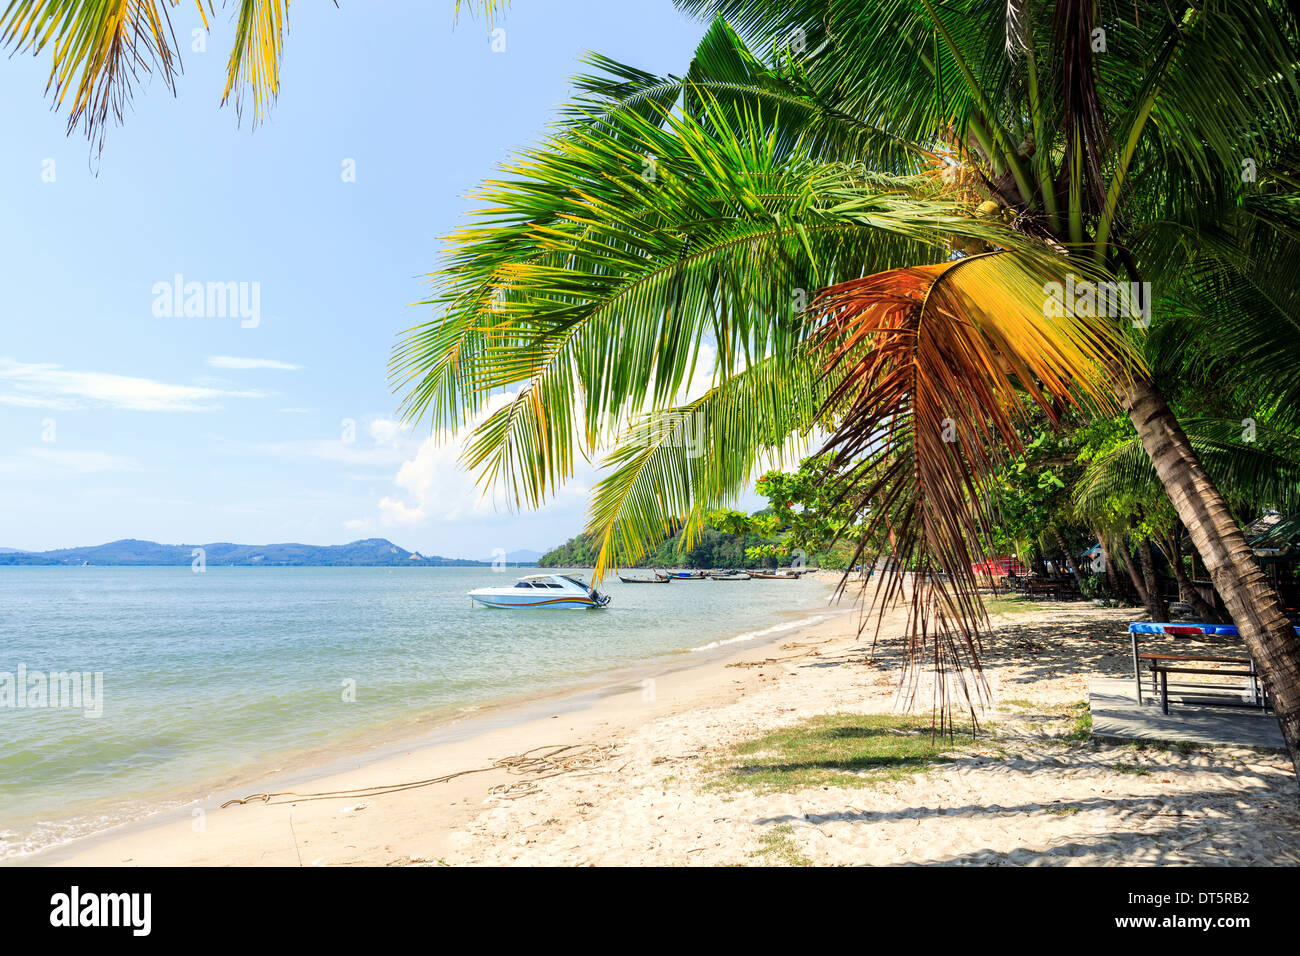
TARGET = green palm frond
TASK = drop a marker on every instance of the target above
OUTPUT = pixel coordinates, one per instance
(1254, 465)
(725, 71)
(1231, 292)
(673, 466)
(593, 284)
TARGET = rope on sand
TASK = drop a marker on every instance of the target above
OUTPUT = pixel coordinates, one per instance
(539, 763)
(785, 647)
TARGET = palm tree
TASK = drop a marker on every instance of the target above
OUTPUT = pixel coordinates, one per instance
(1110, 138)
(1146, 165)
(670, 211)
(1255, 475)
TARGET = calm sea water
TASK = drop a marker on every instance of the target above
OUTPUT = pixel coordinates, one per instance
(212, 678)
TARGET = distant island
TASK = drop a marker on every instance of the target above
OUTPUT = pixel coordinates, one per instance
(369, 552)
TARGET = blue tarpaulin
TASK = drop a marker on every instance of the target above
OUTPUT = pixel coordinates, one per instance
(1226, 630)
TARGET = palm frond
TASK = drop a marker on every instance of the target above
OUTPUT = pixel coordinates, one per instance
(491, 9)
(591, 286)
(100, 49)
(933, 361)
(673, 466)
(1255, 467)
(724, 71)
(254, 67)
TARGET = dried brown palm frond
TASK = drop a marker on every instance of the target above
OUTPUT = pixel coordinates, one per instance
(931, 364)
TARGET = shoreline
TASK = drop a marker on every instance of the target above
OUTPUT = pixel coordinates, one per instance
(376, 753)
(663, 773)
(1033, 789)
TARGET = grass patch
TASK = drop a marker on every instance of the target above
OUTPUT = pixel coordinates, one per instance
(1078, 714)
(839, 750)
(1062, 811)
(1184, 747)
(779, 849)
(1020, 702)
(1009, 604)
(1130, 768)
(1082, 727)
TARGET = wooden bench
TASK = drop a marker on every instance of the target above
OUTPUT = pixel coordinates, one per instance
(1162, 665)
(1060, 590)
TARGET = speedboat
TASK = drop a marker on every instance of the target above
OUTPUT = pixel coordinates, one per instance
(541, 590)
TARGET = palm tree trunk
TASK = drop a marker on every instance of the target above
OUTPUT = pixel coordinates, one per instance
(1138, 585)
(1253, 605)
(1189, 591)
(1109, 562)
(1069, 558)
(1156, 605)
(1171, 545)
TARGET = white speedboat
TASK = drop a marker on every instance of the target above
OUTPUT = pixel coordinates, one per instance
(541, 590)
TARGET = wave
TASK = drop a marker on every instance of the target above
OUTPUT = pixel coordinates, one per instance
(774, 629)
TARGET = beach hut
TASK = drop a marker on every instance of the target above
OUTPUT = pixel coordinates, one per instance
(1275, 541)
(1094, 559)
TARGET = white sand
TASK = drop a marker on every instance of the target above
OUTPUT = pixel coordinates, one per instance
(1028, 795)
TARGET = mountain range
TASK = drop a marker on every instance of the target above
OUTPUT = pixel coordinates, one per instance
(368, 552)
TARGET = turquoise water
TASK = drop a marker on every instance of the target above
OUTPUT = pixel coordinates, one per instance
(209, 679)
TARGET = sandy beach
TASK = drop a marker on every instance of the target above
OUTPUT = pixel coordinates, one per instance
(649, 773)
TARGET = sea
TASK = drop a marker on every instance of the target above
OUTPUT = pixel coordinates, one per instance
(174, 684)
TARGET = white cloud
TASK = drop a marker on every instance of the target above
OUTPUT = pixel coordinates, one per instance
(42, 461)
(350, 453)
(388, 432)
(36, 385)
(394, 512)
(244, 364)
(435, 487)
(390, 443)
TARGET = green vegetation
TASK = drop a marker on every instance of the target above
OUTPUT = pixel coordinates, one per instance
(1130, 768)
(711, 549)
(1082, 729)
(839, 750)
(1008, 604)
(779, 849)
(876, 245)
(802, 522)
(1182, 747)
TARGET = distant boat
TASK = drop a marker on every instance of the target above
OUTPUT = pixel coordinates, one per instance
(687, 575)
(730, 576)
(542, 591)
(778, 575)
(657, 579)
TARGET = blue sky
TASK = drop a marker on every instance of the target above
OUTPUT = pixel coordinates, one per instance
(118, 421)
